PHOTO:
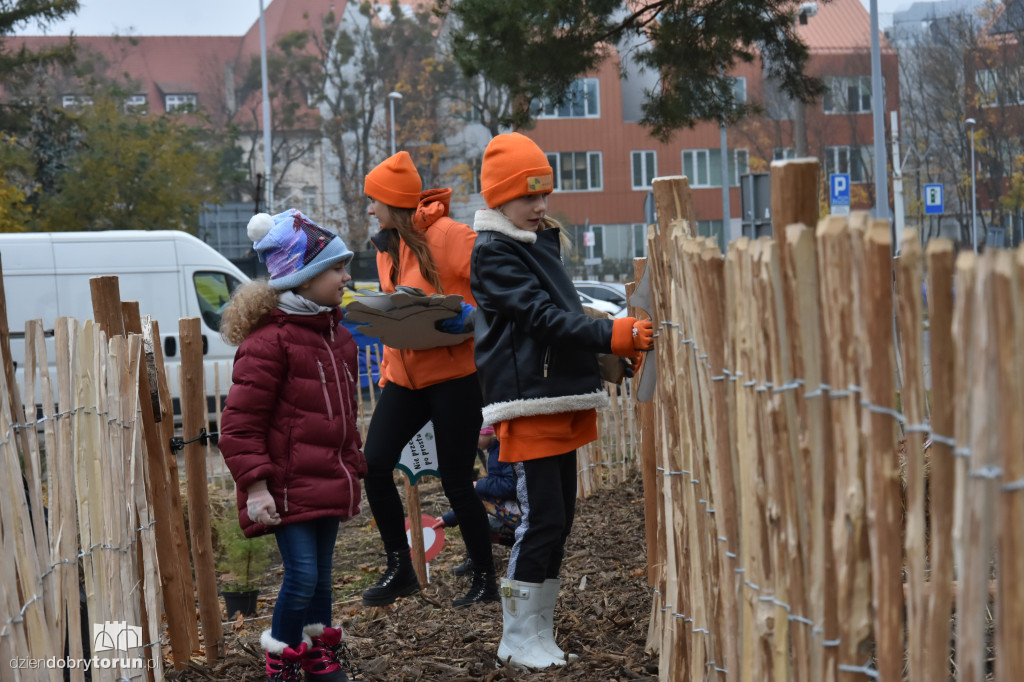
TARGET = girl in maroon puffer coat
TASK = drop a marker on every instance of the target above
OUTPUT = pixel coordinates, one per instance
(288, 433)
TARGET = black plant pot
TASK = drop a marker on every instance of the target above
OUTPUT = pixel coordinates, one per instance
(244, 602)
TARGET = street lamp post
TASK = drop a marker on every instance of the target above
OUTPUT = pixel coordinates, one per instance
(392, 96)
(268, 152)
(974, 194)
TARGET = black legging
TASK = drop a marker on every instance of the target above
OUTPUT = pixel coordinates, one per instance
(454, 408)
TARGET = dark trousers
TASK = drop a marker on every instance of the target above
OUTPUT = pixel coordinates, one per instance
(307, 550)
(546, 489)
(454, 408)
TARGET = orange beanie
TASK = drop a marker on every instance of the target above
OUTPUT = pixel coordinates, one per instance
(395, 182)
(514, 166)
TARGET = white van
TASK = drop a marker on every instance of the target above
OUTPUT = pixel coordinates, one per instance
(170, 273)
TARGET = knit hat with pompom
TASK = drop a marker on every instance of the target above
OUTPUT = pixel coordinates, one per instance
(294, 248)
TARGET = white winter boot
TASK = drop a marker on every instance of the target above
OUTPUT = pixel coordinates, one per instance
(548, 598)
(521, 643)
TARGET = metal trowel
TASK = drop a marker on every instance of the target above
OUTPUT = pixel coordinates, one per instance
(641, 299)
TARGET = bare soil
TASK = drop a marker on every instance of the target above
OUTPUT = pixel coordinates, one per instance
(602, 614)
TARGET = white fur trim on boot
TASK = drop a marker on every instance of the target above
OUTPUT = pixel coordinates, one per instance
(314, 629)
(271, 645)
(521, 644)
(549, 597)
(276, 646)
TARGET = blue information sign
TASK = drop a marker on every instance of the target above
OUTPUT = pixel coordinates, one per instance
(839, 193)
(933, 199)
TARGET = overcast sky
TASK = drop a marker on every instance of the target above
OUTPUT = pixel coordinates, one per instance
(216, 17)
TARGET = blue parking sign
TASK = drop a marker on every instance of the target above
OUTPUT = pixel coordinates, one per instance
(933, 200)
(839, 193)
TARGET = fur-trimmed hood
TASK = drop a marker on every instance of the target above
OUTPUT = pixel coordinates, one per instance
(492, 220)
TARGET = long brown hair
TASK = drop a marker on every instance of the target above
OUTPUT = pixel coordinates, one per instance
(401, 218)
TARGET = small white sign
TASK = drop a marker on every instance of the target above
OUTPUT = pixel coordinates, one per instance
(588, 239)
(419, 456)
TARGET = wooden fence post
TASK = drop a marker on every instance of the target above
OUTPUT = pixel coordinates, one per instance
(913, 399)
(193, 418)
(969, 621)
(412, 499)
(882, 469)
(840, 251)
(1009, 456)
(177, 511)
(648, 466)
(794, 184)
(939, 255)
(177, 603)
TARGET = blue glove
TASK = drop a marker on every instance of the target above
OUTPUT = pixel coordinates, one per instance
(461, 323)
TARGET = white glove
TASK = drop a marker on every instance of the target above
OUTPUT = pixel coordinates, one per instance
(260, 505)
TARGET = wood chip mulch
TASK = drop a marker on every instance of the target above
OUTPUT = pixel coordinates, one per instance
(602, 614)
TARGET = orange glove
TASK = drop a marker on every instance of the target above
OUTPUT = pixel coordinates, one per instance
(638, 362)
(630, 335)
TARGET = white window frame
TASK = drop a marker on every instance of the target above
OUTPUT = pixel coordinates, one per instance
(988, 82)
(177, 101)
(136, 103)
(648, 161)
(783, 153)
(737, 154)
(75, 101)
(739, 88)
(838, 160)
(546, 109)
(837, 94)
(700, 161)
(593, 159)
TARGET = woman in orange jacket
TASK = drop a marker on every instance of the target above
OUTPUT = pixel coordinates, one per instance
(420, 246)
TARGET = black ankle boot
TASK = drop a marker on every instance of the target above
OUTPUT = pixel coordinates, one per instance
(484, 588)
(399, 580)
(464, 569)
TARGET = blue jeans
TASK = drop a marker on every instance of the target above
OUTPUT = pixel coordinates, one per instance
(307, 550)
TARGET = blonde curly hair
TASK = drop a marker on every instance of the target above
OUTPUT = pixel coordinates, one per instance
(249, 308)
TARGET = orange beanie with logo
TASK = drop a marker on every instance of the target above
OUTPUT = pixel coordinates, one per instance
(513, 166)
(395, 181)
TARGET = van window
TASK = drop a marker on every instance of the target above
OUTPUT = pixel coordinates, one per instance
(213, 289)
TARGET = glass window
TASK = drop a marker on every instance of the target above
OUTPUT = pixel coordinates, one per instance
(75, 101)
(179, 103)
(582, 101)
(576, 171)
(995, 88)
(213, 290)
(739, 89)
(639, 240)
(847, 95)
(645, 168)
(783, 153)
(135, 104)
(704, 166)
(852, 160)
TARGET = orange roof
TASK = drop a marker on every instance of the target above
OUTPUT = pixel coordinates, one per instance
(163, 65)
(839, 26)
